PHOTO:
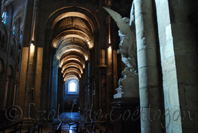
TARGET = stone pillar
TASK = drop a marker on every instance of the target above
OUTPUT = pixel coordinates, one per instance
(115, 70)
(46, 73)
(179, 64)
(109, 68)
(38, 79)
(54, 80)
(86, 85)
(25, 90)
(109, 79)
(30, 93)
(102, 83)
(81, 94)
(103, 91)
(147, 66)
(91, 77)
(96, 87)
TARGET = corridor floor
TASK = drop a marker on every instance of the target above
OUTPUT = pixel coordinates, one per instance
(67, 118)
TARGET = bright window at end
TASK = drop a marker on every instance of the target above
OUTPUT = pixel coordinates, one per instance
(72, 87)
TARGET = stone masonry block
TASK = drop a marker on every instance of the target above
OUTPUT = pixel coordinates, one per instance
(147, 77)
(147, 58)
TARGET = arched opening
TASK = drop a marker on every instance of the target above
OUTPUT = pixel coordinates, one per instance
(71, 93)
(72, 38)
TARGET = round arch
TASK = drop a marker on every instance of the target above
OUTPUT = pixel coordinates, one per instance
(69, 70)
(60, 13)
(72, 57)
(71, 34)
(72, 47)
(68, 77)
(71, 74)
(72, 64)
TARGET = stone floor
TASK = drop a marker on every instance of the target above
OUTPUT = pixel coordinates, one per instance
(67, 119)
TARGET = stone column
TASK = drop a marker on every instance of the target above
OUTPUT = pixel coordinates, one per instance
(46, 72)
(85, 73)
(109, 63)
(38, 80)
(96, 87)
(179, 64)
(30, 92)
(81, 94)
(96, 70)
(109, 79)
(147, 66)
(25, 89)
(54, 84)
(115, 70)
(103, 90)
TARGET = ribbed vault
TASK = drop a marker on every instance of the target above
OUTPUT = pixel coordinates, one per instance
(72, 38)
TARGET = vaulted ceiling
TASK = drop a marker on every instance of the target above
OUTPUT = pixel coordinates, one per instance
(73, 37)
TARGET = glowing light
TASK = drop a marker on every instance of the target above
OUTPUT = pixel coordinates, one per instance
(110, 49)
(109, 57)
(109, 40)
(72, 87)
(86, 58)
(32, 47)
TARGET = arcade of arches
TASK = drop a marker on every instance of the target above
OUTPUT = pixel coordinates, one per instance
(58, 55)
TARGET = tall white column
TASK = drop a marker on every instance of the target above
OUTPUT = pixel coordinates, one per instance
(179, 64)
(147, 66)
